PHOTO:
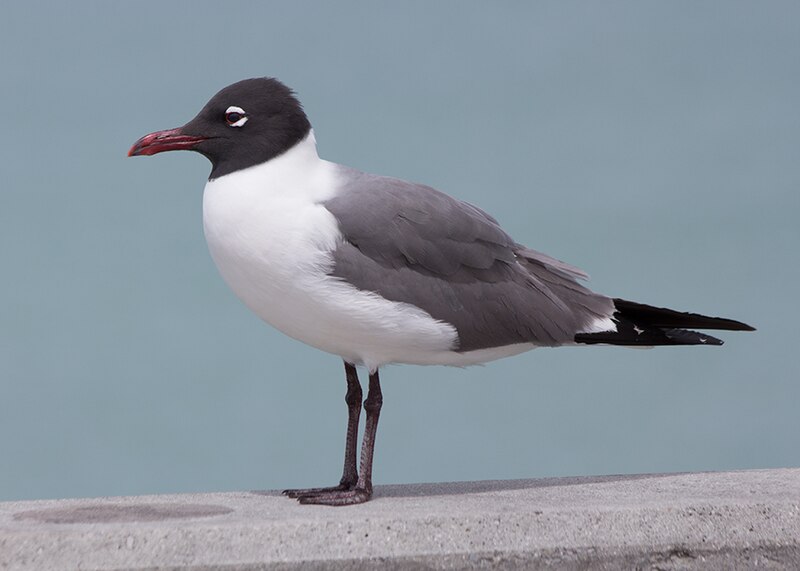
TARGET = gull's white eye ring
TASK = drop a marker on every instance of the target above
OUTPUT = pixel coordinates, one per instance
(235, 116)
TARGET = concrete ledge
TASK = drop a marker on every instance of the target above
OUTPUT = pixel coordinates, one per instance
(661, 521)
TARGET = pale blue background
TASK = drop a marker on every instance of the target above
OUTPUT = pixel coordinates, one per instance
(654, 144)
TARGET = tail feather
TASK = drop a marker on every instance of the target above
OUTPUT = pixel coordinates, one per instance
(644, 325)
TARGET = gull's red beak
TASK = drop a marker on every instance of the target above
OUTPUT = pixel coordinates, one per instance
(170, 140)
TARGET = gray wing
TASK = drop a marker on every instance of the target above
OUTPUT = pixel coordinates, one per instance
(410, 243)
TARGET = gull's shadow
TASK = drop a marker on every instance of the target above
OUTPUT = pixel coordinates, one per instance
(481, 486)
(458, 488)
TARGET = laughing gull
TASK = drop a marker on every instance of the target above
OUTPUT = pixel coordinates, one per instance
(378, 270)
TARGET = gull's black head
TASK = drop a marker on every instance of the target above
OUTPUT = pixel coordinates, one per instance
(243, 125)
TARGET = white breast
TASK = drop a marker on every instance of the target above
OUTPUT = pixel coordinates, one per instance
(272, 241)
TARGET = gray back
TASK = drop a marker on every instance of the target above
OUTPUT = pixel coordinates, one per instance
(411, 243)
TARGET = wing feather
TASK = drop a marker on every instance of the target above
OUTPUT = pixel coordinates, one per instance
(413, 244)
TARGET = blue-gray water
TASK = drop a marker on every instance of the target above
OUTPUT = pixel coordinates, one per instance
(654, 144)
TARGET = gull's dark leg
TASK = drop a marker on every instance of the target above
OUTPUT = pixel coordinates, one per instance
(353, 400)
(350, 472)
(362, 492)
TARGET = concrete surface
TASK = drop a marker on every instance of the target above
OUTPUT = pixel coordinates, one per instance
(661, 521)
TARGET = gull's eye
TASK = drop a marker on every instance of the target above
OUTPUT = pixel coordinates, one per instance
(235, 116)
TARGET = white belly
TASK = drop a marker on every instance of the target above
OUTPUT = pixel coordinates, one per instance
(272, 245)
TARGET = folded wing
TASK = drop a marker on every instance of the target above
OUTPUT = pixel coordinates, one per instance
(410, 243)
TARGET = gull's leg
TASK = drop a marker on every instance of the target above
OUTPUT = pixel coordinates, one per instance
(353, 400)
(350, 473)
(362, 492)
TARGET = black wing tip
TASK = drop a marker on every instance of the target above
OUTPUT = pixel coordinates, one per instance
(663, 317)
(723, 323)
(628, 334)
(689, 337)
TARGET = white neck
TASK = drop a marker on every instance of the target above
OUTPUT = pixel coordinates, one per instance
(298, 173)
